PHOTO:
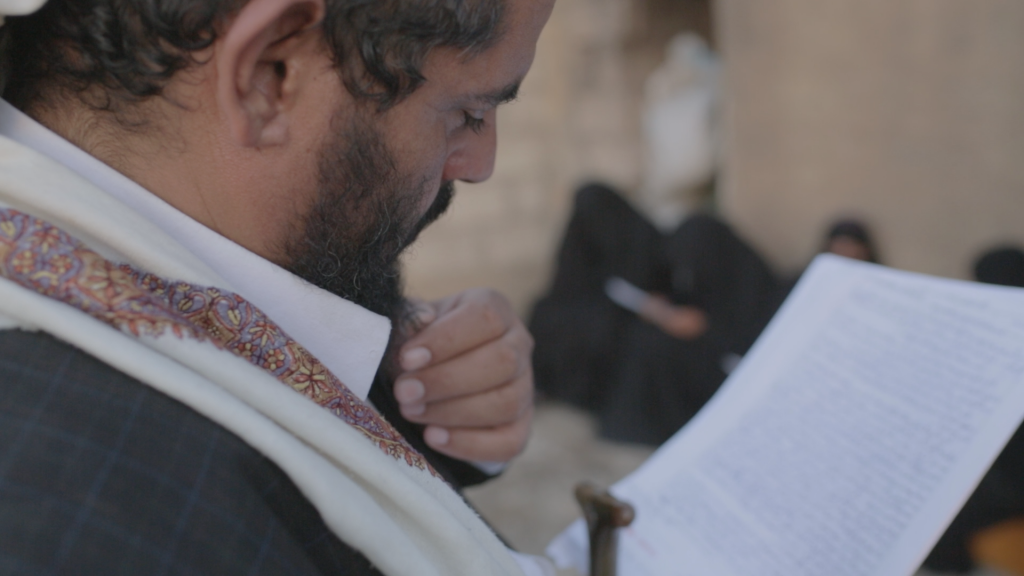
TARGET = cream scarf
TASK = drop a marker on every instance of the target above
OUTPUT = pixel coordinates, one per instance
(371, 489)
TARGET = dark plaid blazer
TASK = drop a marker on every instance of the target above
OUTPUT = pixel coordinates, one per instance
(102, 475)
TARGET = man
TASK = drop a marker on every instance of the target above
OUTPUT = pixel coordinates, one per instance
(201, 207)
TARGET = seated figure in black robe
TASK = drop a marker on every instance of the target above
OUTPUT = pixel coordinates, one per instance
(646, 374)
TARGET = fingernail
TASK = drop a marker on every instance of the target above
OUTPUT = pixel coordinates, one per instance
(409, 391)
(425, 315)
(415, 359)
(436, 436)
(413, 409)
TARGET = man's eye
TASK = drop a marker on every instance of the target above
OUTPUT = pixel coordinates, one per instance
(473, 123)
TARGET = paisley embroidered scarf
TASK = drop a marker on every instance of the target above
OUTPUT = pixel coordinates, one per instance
(43, 258)
(80, 265)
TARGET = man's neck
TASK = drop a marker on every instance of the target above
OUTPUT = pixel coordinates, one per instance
(87, 129)
(150, 143)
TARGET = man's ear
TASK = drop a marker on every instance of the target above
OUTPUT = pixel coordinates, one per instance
(256, 63)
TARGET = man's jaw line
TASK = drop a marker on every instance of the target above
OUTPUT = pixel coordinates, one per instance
(436, 209)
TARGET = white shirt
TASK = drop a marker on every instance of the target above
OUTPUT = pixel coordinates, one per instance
(348, 339)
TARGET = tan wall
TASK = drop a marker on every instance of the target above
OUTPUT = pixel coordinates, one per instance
(909, 113)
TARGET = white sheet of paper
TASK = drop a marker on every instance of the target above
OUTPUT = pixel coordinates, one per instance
(843, 444)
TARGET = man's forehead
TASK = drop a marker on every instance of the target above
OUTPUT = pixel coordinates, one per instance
(490, 78)
(493, 76)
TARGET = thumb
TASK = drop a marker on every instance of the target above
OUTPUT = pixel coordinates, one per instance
(418, 314)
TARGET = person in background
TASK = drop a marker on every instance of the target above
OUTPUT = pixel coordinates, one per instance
(1003, 266)
(703, 296)
(202, 208)
(650, 294)
(850, 238)
(642, 327)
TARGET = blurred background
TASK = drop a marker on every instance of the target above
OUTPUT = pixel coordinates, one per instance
(905, 114)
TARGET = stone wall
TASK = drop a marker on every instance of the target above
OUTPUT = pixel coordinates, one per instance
(909, 113)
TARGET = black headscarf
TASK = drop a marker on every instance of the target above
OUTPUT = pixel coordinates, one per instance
(854, 230)
(1003, 266)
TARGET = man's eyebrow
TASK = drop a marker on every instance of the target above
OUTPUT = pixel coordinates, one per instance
(501, 96)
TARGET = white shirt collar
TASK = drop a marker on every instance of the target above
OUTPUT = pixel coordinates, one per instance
(348, 339)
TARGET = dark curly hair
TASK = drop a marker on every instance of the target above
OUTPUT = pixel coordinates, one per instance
(132, 48)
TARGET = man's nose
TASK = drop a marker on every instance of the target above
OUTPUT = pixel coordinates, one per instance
(473, 160)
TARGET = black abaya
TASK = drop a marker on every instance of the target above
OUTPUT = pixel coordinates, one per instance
(641, 382)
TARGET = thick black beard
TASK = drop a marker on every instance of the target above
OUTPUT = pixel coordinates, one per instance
(364, 216)
(437, 208)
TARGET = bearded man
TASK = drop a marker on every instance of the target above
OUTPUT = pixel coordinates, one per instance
(202, 203)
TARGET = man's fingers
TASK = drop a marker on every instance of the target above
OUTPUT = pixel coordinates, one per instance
(418, 314)
(476, 371)
(494, 444)
(476, 317)
(494, 407)
(468, 378)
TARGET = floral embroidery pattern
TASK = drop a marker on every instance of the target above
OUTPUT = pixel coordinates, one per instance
(43, 258)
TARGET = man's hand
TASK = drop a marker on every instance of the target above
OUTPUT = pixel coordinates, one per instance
(684, 322)
(467, 376)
